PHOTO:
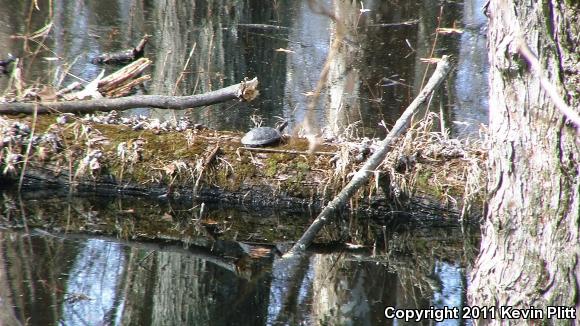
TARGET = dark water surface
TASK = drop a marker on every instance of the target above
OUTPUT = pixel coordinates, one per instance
(88, 261)
(141, 262)
(198, 46)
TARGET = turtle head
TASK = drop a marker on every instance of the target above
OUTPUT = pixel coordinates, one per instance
(281, 125)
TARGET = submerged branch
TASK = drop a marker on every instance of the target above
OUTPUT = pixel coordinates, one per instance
(123, 57)
(246, 90)
(410, 22)
(362, 175)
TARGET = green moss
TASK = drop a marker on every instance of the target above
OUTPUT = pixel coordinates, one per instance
(302, 167)
(424, 178)
(271, 167)
(294, 184)
(234, 181)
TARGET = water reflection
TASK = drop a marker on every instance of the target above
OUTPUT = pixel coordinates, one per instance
(184, 277)
(471, 83)
(92, 287)
(118, 284)
(450, 294)
(199, 46)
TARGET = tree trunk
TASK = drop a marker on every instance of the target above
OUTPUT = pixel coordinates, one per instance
(530, 245)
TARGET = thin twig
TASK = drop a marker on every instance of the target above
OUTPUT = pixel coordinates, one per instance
(264, 26)
(410, 22)
(208, 159)
(439, 18)
(282, 151)
(184, 69)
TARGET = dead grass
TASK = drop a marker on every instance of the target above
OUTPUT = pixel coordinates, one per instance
(422, 162)
(426, 160)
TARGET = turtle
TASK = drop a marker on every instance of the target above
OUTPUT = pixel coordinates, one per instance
(264, 136)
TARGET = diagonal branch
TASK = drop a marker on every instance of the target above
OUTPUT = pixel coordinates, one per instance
(548, 87)
(363, 175)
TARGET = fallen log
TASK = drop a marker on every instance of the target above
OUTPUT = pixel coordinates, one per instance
(109, 154)
(245, 91)
(372, 164)
(121, 82)
(118, 84)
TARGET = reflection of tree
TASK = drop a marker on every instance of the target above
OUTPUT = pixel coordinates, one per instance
(152, 283)
(95, 278)
(375, 68)
(223, 53)
(404, 271)
(32, 269)
(343, 77)
(348, 290)
(11, 15)
(8, 315)
(471, 83)
(309, 42)
(286, 290)
(175, 285)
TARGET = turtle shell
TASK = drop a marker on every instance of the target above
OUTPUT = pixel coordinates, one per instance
(261, 136)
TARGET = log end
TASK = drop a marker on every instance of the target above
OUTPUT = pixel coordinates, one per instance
(248, 90)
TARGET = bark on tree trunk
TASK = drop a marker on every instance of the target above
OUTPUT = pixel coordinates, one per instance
(530, 246)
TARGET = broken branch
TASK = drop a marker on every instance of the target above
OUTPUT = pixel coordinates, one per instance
(123, 57)
(246, 91)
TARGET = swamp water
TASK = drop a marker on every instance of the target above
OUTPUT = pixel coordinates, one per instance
(98, 261)
(132, 261)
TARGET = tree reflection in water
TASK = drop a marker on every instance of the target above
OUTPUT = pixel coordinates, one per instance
(73, 278)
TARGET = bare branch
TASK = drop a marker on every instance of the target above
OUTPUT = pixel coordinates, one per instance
(246, 90)
(550, 89)
(362, 175)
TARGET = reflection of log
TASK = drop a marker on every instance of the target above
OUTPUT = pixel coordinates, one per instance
(123, 57)
(206, 253)
(246, 90)
(288, 276)
(372, 164)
